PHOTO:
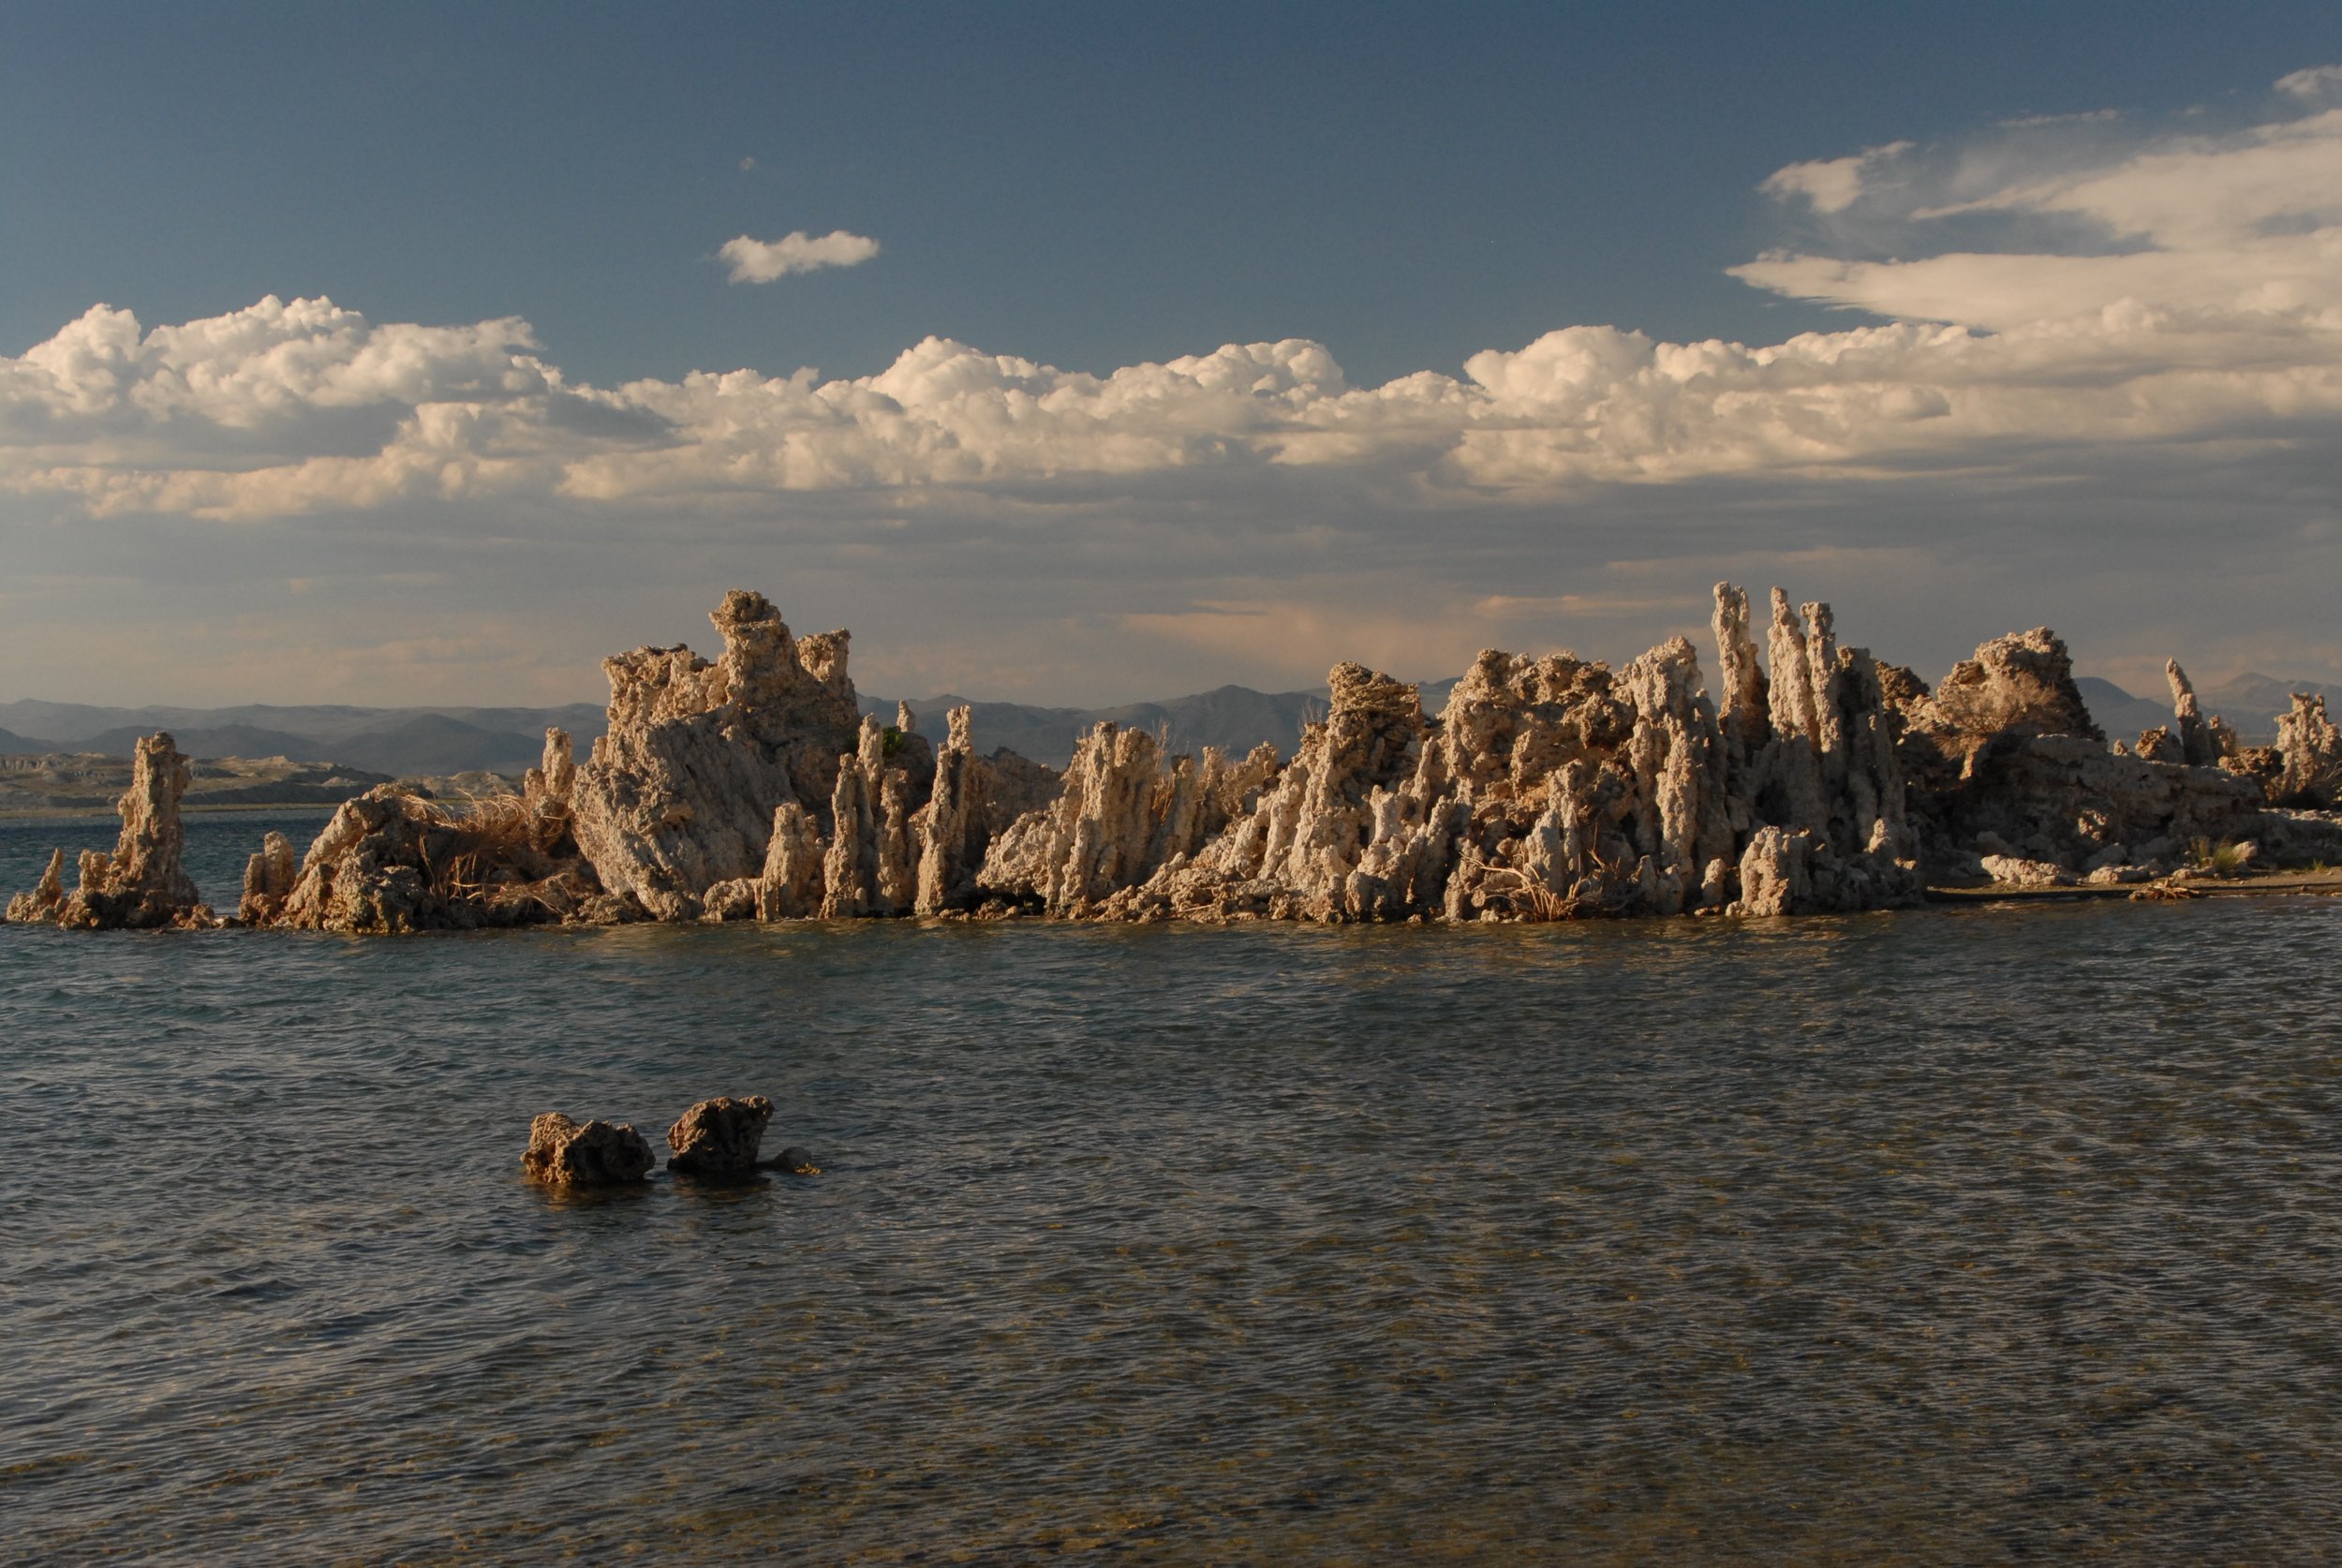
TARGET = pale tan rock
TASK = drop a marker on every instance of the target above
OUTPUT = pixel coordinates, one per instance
(139, 886)
(1742, 704)
(2197, 745)
(566, 1153)
(792, 885)
(719, 1136)
(39, 907)
(2016, 686)
(268, 880)
(1094, 840)
(390, 862)
(850, 869)
(1777, 873)
(727, 901)
(949, 848)
(2013, 871)
(2309, 753)
(680, 794)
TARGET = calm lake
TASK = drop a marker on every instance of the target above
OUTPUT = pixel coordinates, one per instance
(1951, 1235)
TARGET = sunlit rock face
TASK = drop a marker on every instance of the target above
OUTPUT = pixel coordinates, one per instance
(140, 884)
(680, 794)
(1548, 788)
(391, 862)
(2309, 754)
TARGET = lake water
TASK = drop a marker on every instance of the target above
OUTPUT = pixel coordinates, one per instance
(1951, 1235)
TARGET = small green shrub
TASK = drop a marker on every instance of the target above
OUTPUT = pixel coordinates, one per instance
(894, 740)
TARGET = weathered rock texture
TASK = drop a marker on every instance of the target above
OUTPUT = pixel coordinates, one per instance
(591, 1154)
(2010, 779)
(1546, 789)
(391, 861)
(719, 1137)
(139, 886)
(2309, 751)
(40, 906)
(680, 795)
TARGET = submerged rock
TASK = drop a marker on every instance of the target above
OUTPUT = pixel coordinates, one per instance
(719, 1136)
(594, 1153)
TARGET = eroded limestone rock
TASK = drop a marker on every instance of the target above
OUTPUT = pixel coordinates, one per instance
(392, 862)
(269, 878)
(591, 1154)
(680, 794)
(719, 1136)
(39, 907)
(2309, 753)
(140, 884)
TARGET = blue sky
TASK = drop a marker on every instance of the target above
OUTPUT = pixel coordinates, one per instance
(1091, 191)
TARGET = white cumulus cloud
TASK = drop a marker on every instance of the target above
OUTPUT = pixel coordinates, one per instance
(2145, 290)
(768, 261)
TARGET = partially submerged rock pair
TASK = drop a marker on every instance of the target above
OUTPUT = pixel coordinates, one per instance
(717, 1137)
(1810, 779)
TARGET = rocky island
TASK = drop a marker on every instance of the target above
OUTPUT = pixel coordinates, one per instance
(1807, 777)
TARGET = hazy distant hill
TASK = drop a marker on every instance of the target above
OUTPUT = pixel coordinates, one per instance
(405, 742)
(2250, 703)
(425, 741)
(2121, 715)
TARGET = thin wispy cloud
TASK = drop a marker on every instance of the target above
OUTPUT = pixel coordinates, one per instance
(769, 260)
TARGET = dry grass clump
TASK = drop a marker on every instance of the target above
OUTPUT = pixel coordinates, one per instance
(2223, 859)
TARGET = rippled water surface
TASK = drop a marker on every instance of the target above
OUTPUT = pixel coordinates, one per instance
(1949, 1236)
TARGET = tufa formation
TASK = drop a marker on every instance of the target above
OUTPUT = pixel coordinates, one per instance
(1805, 777)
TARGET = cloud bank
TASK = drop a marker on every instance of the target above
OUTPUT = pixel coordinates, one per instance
(768, 261)
(2200, 297)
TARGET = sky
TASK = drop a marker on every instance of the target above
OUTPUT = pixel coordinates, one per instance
(413, 353)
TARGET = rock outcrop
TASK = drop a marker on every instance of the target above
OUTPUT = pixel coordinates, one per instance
(680, 795)
(719, 1136)
(1810, 777)
(269, 878)
(1546, 789)
(2309, 752)
(2011, 781)
(139, 886)
(39, 907)
(566, 1153)
(390, 862)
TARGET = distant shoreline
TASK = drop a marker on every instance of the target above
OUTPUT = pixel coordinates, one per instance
(12, 815)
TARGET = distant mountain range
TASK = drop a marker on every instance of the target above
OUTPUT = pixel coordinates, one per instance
(2250, 703)
(402, 742)
(411, 743)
